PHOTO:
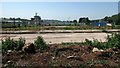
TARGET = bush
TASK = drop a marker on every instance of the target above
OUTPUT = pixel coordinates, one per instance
(20, 43)
(94, 43)
(40, 43)
(113, 41)
(104, 30)
(10, 44)
(87, 42)
(98, 44)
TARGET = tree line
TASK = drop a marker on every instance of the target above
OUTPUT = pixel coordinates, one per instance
(114, 19)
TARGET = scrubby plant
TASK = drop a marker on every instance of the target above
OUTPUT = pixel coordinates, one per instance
(71, 43)
(82, 65)
(94, 43)
(104, 62)
(40, 43)
(98, 44)
(20, 43)
(87, 42)
(104, 30)
(10, 44)
(113, 41)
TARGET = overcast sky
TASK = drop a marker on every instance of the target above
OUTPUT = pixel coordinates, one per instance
(59, 10)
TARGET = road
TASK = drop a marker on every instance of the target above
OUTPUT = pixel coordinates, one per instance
(52, 38)
(58, 31)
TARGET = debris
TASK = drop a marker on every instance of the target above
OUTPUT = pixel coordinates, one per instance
(74, 57)
(9, 61)
(9, 51)
(96, 49)
(29, 48)
(53, 58)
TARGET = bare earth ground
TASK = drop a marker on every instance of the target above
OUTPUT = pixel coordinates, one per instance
(59, 55)
(53, 38)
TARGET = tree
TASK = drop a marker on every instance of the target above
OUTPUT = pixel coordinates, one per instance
(41, 20)
(84, 20)
(18, 18)
(14, 21)
(114, 19)
(18, 25)
(4, 18)
(106, 18)
(11, 18)
(80, 20)
(70, 21)
(87, 21)
(75, 21)
(32, 19)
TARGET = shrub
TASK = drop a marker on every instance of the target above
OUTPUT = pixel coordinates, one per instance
(98, 44)
(40, 43)
(104, 30)
(94, 43)
(71, 43)
(104, 62)
(87, 42)
(20, 43)
(10, 44)
(106, 54)
(113, 41)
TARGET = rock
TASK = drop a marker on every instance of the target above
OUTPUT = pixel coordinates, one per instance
(22, 56)
(98, 53)
(69, 57)
(29, 48)
(74, 57)
(96, 50)
(9, 61)
(53, 58)
(9, 51)
(76, 50)
(20, 52)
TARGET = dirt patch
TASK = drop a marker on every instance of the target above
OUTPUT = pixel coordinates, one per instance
(59, 55)
(53, 38)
